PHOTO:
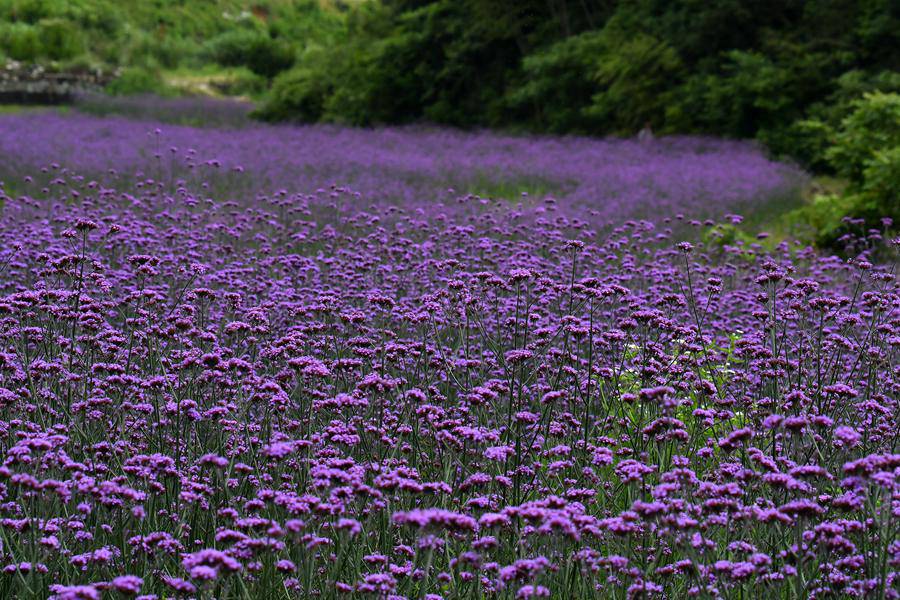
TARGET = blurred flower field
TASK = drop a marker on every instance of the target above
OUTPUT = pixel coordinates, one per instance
(603, 181)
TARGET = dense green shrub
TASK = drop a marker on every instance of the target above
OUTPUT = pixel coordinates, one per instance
(298, 94)
(635, 77)
(423, 66)
(51, 39)
(807, 139)
(871, 128)
(865, 151)
(558, 84)
(29, 11)
(252, 49)
(137, 80)
(168, 34)
(20, 41)
(241, 82)
(229, 48)
(609, 81)
(750, 90)
(170, 52)
(60, 39)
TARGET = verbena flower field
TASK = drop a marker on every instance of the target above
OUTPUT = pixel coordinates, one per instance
(221, 377)
(603, 181)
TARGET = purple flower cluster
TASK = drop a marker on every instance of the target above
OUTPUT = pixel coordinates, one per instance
(313, 395)
(428, 170)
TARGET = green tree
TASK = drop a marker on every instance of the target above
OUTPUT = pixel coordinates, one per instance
(635, 77)
(865, 151)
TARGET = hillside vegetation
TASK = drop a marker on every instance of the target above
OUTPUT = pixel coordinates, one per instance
(169, 46)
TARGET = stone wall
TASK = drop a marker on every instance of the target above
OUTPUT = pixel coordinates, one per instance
(34, 84)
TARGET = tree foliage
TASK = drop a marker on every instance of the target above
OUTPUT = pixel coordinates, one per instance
(729, 67)
(865, 151)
